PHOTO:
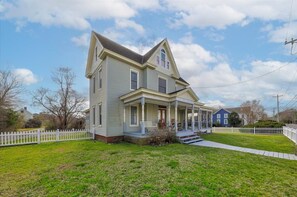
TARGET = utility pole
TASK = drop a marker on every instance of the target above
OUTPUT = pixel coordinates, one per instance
(292, 42)
(277, 106)
(273, 113)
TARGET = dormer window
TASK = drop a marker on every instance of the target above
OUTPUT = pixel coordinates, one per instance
(163, 58)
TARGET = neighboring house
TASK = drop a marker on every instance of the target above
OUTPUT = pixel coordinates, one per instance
(26, 114)
(130, 92)
(220, 117)
(240, 111)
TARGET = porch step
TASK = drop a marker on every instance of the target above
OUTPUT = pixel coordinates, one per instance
(189, 139)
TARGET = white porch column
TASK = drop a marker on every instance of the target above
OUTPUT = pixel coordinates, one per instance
(199, 118)
(175, 116)
(193, 121)
(124, 122)
(211, 120)
(186, 118)
(206, 119)
(142, 116)
(168, 115)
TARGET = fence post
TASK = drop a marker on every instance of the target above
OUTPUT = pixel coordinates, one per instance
(57, 135)
(38, 136)
(232, 129)
(254, 130)
(214, 129)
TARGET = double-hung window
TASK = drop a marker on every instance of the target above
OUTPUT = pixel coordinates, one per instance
(100, 114)
(134, 80)
(100, 78)
(94, 116)
(94, 84)
(218, 115)
(162, 85)
(134, 116)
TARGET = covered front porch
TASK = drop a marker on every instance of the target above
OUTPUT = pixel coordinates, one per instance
(145, 110)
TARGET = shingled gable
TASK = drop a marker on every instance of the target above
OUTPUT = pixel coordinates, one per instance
(121, 50)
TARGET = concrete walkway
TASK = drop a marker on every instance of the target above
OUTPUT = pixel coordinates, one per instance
(246, 150)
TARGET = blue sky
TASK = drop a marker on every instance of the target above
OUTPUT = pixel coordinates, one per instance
(215, 43)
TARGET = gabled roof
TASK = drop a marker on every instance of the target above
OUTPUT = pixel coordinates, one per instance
(119, 49)
(222, 109)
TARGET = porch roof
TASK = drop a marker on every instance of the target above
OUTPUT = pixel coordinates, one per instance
(162, 97)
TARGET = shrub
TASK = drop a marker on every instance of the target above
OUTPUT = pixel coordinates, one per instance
(162, 136)
(266, 124)
(33, 123)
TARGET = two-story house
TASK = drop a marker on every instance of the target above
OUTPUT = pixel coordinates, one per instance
(129, 91)
(220, 117)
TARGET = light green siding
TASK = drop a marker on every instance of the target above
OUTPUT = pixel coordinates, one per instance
(118, 84)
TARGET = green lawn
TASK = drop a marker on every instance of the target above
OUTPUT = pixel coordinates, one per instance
(87, 168)
(277, 142)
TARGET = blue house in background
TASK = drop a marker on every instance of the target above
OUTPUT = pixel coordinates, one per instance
(220, 117)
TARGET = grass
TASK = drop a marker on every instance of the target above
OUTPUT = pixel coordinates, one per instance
(276, 142)
(87, 168)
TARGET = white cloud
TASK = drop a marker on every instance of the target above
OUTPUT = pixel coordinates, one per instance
(82, 40)
(75, 14)
(125, 23)
(25, 76)
(220, 14)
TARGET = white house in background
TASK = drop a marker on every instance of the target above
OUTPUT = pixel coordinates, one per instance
(130, 92)
(25, 113)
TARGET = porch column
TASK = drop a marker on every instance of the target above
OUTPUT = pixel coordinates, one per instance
(193, 121)
(199, 118)
(175, 116)
(211, 120)
(142, 115)
(168, 115)
(124, 123)
(206, 119)
(186, 118)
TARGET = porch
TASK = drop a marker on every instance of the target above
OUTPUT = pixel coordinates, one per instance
(144, 110)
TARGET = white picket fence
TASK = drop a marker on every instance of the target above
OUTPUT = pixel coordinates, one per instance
(248, 130)
(291, 133)
(38, 136)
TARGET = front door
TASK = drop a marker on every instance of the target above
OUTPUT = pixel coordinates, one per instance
(162, 118)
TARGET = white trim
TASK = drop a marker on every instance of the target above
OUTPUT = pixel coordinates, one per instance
(94, 83)
(137, 116)
(94, 115)
(99, 70)
(166, 84)
(100, 105)
(136, 71)
(225, 121)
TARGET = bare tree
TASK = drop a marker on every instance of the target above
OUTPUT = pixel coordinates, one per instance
(10, 89)
(254, 111)
(64, 103)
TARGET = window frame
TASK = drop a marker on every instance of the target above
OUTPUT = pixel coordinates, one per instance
(225, 121)
(137, 84)
(100, 114)
(219, 116)
(163, 52)
(137, 116)
(94, 115)
(159, 77)
(100, 78)
(96, 53)
(225, 115)
(94, 84)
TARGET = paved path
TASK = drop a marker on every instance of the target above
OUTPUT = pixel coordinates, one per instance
(247, 150)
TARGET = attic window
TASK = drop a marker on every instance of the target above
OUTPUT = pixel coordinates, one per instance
(168, 65)
(96, 53)
(163, 58)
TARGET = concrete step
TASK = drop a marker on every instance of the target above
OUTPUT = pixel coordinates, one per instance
(189, 138)
(193, 141)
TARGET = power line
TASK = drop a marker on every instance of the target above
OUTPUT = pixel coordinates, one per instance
(248, 80)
